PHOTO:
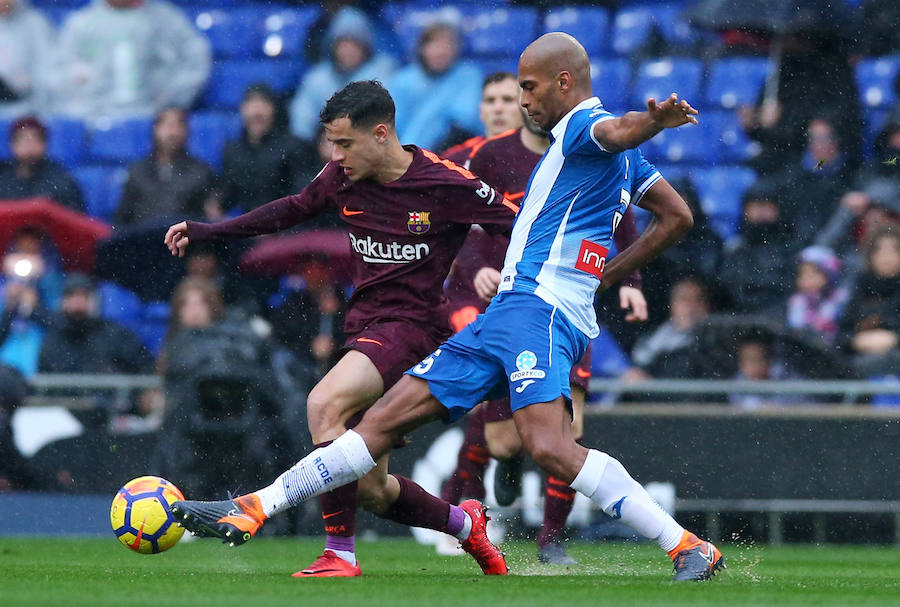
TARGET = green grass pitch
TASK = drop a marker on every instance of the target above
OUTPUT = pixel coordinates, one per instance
(96, 572)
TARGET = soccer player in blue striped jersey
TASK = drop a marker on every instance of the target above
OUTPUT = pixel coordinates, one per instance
(542, 319)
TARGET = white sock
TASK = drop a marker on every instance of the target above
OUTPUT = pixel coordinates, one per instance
(347, 555)
(603, 479)
(345, 460)
(466, 530)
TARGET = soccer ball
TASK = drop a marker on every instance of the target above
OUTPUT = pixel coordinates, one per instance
(140, 515)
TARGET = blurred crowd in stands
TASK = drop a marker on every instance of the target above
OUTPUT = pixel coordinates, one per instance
(140, 112)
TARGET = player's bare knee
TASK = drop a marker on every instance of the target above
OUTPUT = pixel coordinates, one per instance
(326, 412)
(503, 444)
(545, 451)
(373, 495)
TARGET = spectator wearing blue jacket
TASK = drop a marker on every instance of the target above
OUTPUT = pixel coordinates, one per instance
(351, 56)
(438, 92)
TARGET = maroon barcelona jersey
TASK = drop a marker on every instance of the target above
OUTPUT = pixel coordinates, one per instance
(404, 234)
(505, 162)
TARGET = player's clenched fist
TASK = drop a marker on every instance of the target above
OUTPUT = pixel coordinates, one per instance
(671, 113)
(487, 280)
(176, 238)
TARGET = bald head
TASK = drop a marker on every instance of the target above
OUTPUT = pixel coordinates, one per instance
(557, 52)
(555, 76)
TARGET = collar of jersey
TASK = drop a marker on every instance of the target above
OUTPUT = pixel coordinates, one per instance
(560, 127)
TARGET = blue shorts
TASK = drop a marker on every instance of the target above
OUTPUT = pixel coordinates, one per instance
(521, 346)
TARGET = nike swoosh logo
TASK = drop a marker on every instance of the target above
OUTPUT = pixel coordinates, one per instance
(327, 516)
(312, 572)
(348, 212)
(366, 340)
(708, 557)
(234, 512)
(140, 534)
(582, 373)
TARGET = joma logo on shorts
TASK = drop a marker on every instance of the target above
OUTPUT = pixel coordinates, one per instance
(373, 251)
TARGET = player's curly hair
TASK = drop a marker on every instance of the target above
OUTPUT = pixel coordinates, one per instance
(365, 102)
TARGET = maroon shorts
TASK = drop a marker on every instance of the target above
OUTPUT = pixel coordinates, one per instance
(499, 409)
(395, 346)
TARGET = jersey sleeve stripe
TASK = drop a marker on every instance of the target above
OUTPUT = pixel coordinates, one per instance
(450, 165)
(642, 189)
(591, 130)
(509, 205)
(481, 143)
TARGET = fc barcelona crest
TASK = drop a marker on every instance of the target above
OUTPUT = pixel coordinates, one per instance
(419, 222)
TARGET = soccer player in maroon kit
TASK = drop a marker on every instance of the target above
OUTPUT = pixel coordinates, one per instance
(507, 161)
(408, 213)
(499, 112)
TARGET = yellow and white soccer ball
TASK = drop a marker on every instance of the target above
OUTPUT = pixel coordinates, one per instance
(140, 515)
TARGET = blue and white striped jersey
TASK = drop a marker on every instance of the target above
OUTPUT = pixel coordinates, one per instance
(575, 199)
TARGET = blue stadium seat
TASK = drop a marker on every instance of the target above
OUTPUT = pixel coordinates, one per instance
(121, 141)
(610, 79)
(730, 138)
(5, 125)
(736, 81)
(721, 191)
(230, 78)
(633, 24)
(589, 24)
(671, 23)
(631, 28)
(877, 81)
(489, 66)
(66, 142)
(154, 324)
(234, 33)
(687, 144)
(285, 30)
(874, 120)
(503, 32)
(673, 171)
(57, 14)
(661, 77)
(101, 187)
(208, 133)
(120, 305)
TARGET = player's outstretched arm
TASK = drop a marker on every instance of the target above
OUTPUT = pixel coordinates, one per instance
(634, 128)
(671, 219)
(271, 217)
